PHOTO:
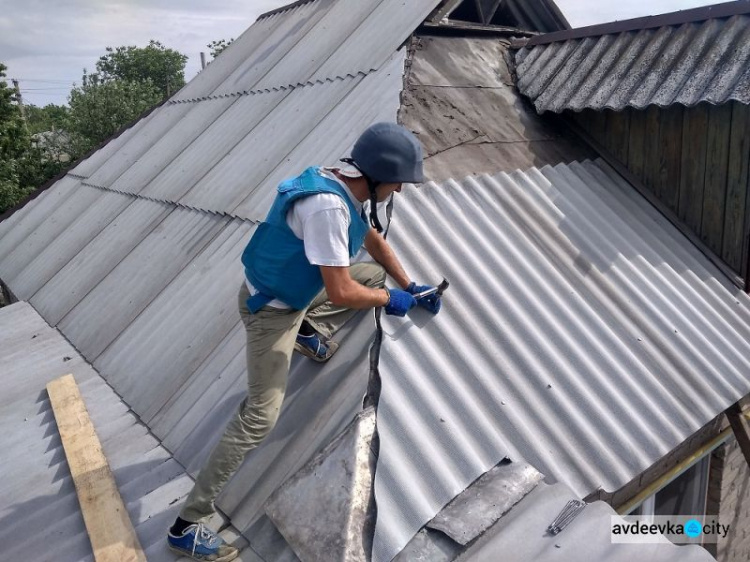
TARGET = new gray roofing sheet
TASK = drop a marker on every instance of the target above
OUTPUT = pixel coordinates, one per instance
(312, 42)
(104, 313)
(581, 332)
(523, 531)
(189, 318)
(707, 61)
(86, 267)
(39, 498)
(354, 113)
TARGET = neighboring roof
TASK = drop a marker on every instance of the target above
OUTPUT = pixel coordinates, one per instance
(39, 498)
(582, 332)
(706, 60)
(587, 538)
(461, 101)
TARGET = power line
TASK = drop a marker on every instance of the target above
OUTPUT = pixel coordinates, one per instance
(40, 89)
(46, 81)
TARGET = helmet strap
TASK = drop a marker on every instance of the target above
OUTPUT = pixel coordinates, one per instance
(372, 185)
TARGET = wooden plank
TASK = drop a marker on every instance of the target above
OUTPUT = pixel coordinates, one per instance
(110, 531)
(740, 430)
(693, 172)
(653, 148)
(637, 143)
(735, 225)
(670, 156)
(715, 182)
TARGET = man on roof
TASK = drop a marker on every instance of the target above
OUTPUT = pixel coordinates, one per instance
(300, 288)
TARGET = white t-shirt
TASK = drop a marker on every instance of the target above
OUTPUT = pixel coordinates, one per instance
(322, 222)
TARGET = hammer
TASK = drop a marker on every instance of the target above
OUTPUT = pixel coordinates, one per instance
(439, 290)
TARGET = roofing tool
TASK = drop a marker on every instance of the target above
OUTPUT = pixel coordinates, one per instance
(569, 512)
(439, 290)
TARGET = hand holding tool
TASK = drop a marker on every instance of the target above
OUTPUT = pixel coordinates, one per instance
(399, 302)
(428, 297)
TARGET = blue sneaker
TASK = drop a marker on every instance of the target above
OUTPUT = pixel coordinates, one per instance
(314, 348)
(201, 543)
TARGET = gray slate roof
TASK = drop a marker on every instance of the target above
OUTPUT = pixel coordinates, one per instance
(139, 268)
(134, 255)
(582, 332)
(689, 63)
(40, 507)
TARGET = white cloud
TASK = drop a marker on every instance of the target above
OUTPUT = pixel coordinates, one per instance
(48, 44)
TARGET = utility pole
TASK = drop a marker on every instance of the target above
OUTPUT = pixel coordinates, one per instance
(203, 61)
(19, 99)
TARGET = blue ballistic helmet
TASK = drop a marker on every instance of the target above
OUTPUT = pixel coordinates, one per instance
(388, 153)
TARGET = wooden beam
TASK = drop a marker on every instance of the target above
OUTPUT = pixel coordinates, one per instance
(110, 531)
(443, 10)
(735, 418)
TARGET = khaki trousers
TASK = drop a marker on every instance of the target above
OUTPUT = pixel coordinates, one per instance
(271, 333)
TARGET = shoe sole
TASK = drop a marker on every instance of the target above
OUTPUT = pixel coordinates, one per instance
(183, 553)
(332, 347)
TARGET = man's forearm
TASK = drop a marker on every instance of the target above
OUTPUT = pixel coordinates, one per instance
(382, 253)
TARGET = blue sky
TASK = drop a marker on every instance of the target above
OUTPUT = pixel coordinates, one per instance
(47, 44)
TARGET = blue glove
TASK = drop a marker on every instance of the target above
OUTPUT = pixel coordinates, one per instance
(431, 303)
(399, 303)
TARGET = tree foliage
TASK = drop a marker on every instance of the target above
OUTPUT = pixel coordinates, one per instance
(163, 67)
(98, 109)
(218, 46)
(15, 149)
(48, 118)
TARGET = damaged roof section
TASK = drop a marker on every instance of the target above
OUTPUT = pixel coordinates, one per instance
(706, 60)
(582, 332)
(528, 15)
(461, 102)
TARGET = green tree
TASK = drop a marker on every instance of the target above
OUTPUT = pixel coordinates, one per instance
(164, 67)
(51, 117)
(15, 145)
(218, 46)
(99, 108)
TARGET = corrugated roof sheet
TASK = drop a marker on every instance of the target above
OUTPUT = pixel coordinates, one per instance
(126, 256)
(586, 539)
(581, 332)
(39, 498)
(687, 64)
(311, 42)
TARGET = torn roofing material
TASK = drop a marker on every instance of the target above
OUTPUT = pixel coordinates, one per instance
(588, 538)
(39, 497)
(704, 61)
(461, 101)
(581, 332)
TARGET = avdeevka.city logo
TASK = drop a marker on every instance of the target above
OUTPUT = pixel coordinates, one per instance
(680, 529)
(693, 528)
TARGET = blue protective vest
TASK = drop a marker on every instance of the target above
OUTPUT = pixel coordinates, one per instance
(274, 259)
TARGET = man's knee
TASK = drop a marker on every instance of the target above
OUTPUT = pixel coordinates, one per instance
(370, 274)
(257, 420)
